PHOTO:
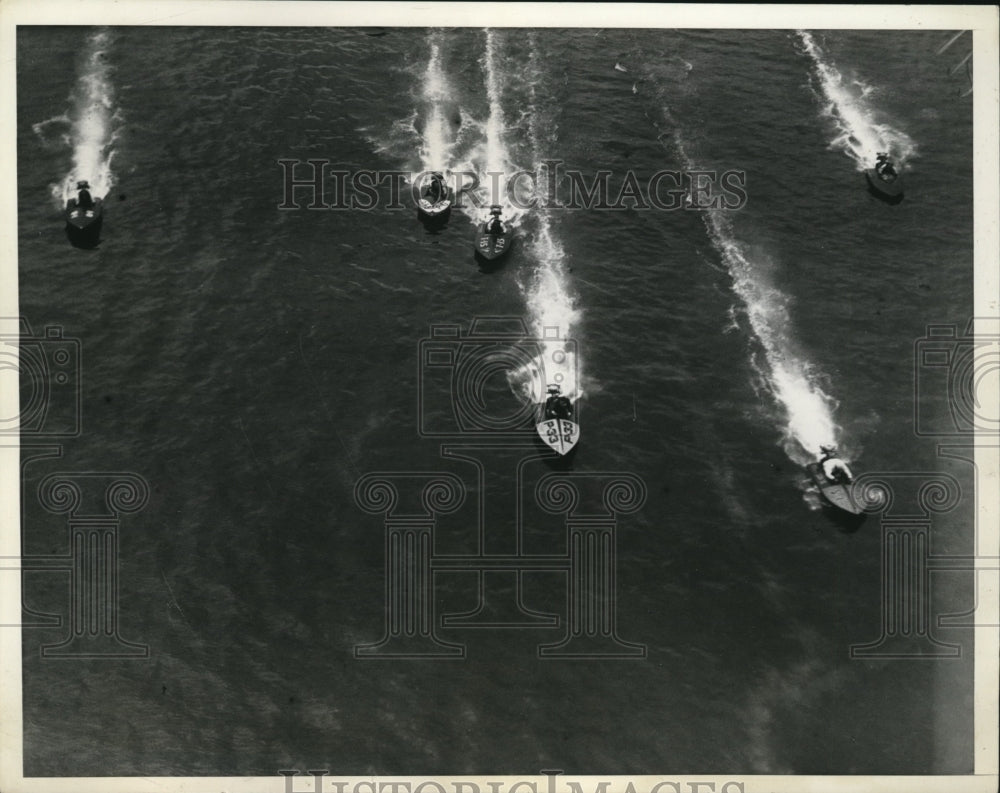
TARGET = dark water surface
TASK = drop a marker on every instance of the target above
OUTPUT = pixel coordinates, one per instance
(251, 364)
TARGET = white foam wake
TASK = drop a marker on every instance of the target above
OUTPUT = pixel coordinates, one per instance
(496, 163)
(435, 151)
(784, 372)
(554, 318)
(857, 131)
(450, 139)
(552, 309)
(93, 119)
(444, 134)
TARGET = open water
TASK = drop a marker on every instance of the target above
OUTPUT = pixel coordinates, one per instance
(252, 364)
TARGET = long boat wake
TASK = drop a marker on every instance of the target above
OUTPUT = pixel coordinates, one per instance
(455, 145)
(553, 313)
(784, 372)
(453, 142)
(90, 125)
(442, 123)
(439, 133)
(438, 137)
(496, 161)
(858, 133)
(554, 318)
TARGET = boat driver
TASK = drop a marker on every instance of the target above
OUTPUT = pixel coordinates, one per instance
(436, 189)
(883, 167)
(558, 405)
(834, 468)
(496, 225)
(84, 199)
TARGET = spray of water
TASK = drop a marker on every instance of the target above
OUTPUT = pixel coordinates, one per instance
(784, 373)
(552, 309)
(554, 319)
(435, 151)
(496, 155)
(497, 164)
(436, 131)
(482, 147)
(92, 125)
(450, 139)
(858, 134)
(443, 134)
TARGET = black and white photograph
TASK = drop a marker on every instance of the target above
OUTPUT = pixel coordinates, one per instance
(499, 398)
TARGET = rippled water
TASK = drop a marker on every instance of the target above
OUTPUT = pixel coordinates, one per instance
(252, 364)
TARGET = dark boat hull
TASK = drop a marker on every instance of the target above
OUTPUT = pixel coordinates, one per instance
(490, 247)
(83, 226)
(836, 495)
(888, 190)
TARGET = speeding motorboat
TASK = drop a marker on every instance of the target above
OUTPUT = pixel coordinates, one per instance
(833, 478)
(884, 179)
(84, 216)
(557, 427)
(494, 237)
(436, 199)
